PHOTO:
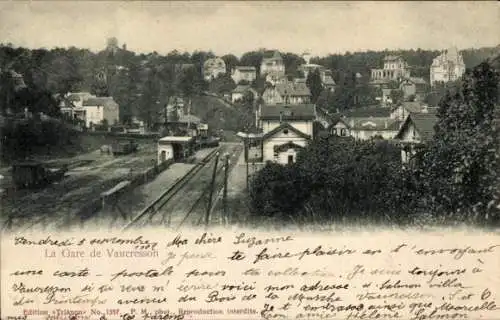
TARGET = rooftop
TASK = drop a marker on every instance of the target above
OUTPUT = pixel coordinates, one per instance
(293, 89)
(424, 124)
(245, 68)
(373, 111)
(175, 139)
(241, 88)
(288, 112)
(97, 101)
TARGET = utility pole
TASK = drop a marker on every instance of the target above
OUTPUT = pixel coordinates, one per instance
(212, 185)
(226, 169)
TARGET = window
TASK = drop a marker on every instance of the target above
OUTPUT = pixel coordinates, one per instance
(285, 131)
(334, 131)
(343, 132)
(290, 159)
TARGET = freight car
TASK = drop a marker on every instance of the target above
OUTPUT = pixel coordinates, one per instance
(123, 148)
(30, 174)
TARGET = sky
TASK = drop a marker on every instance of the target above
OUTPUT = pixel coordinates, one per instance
(236, 27)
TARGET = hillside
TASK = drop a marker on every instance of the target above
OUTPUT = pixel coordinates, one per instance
(221, 115)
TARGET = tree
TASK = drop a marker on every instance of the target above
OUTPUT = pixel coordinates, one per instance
(314, 84)
(459, 167)
(292, 62)
(252, 59)
(397, 97)
(231, 61)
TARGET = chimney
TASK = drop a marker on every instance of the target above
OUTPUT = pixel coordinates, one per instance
(385, 124)
(281, 117)
(351, 123)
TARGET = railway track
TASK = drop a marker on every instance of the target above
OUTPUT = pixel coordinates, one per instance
(145, 217)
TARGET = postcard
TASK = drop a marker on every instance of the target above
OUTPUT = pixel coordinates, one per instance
(249, 160)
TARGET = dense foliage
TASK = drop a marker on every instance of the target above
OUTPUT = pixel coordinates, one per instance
(460, 166)
(454, 178)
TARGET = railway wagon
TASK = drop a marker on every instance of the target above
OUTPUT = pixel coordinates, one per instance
(32, 174)
(123, 148)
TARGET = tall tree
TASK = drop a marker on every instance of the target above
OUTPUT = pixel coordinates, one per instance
(314, 84)
(459, 166)
(231, 61)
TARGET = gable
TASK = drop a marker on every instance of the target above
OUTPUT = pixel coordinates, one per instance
(285, 130)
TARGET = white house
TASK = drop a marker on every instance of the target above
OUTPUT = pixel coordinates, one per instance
(286, 130)
(173, 147)
(245, 73)
(98, 109)
(340, 128)
(417, 129)
(272, 65)
(448, 66)
(395, 68)
(214, 67)
(367, 128)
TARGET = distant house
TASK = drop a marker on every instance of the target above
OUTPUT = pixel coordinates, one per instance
(327, 81)
(395, 68)
(417, 129)
(99, 109)
(416, 87)
(367, 128)
(240, 91)
(245, 73)
(273, 65)
(286, 130)
(274, 78)
(403, 111)
(287, 93)
(448, 66)
(340, 128)
(212, 68)
(370, 122)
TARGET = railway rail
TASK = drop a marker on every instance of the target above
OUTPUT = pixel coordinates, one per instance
(156, 206)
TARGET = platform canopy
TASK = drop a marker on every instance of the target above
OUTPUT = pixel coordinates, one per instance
(175, 139)
(249, 135)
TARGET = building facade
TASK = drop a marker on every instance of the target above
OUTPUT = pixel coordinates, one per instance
(448, 66)
(273, 65)
(99, 109)
(244, 73)
(416, 87)
(417, 129)
(287, 93)
(395, 68)
(286, 130)
(212, 68)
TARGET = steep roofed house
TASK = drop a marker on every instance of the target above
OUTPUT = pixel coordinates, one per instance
(340, 127)
(286, 130)
(98, 109)
(244, 73)
(272, 65)
(287, 93)
(417, 129)
(413, 86)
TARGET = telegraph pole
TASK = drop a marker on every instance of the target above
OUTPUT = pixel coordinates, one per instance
(212, 184)
(226, 169)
